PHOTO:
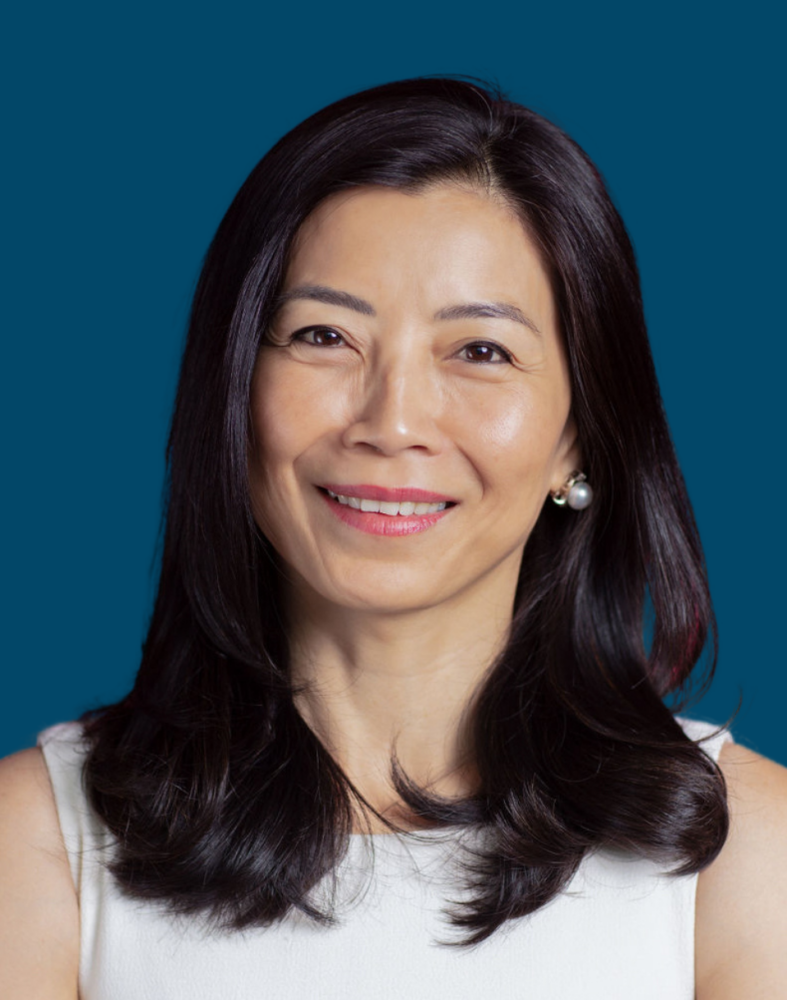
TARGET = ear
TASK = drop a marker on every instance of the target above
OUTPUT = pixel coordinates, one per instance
(568, 456)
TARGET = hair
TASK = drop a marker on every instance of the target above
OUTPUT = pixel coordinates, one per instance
(221, 799)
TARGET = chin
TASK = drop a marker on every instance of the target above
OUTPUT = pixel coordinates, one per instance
(381, 597)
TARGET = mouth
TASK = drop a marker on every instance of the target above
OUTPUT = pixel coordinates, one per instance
(391, 508)
(382, 511)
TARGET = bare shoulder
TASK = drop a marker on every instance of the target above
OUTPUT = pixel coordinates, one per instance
(39, 913)
(742, 897)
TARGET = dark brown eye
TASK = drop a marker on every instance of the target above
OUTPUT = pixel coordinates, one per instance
(319, 336)
(485, 353)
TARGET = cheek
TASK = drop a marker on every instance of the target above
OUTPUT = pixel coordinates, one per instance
(520, 429)
(292, 411)
(274, 439)
(504, 430)
(280, 418)
(270, 471)
(293, 405)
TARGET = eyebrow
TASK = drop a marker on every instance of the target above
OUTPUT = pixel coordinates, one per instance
(331, 296)
(481, 310)
(467, 310)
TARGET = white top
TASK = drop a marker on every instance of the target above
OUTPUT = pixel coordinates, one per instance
(622, 929)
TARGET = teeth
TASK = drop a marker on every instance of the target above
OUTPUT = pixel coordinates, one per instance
(403, 509)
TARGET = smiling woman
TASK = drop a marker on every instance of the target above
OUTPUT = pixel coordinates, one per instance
(415, 382)
(392, 694)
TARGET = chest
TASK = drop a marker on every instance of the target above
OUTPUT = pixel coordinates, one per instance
(620, 930)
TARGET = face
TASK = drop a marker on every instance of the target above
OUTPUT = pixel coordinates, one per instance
(411, 413)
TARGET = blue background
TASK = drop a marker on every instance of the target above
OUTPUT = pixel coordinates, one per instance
(128, 130)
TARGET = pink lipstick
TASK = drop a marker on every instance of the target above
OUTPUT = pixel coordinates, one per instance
(379, 510)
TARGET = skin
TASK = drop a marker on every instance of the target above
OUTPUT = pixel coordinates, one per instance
(404, 628)
(393, 635)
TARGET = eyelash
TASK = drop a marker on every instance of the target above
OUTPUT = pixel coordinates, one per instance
(491, 346)
(506, 356)
(301, 335)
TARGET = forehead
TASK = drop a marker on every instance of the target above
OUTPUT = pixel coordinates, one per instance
(395, 210)
(445, 241)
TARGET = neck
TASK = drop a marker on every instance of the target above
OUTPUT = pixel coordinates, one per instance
(372, 685)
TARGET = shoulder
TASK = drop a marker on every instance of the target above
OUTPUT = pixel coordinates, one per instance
(741, 919)
(39, 914)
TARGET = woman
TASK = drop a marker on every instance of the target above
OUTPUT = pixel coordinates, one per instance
(395, 690)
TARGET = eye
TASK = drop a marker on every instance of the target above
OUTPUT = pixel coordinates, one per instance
(484, 352)
(318, 336)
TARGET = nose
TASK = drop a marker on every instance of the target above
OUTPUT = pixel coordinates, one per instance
(398, 409)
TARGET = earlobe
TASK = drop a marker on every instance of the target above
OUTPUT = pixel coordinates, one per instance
(573, 490)
(576, 492)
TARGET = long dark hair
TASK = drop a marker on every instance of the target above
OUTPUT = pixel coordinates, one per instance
(221, 798)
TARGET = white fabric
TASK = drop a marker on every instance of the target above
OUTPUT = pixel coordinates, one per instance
(621, 930)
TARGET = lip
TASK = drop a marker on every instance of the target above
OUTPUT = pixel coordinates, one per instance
(397, 494)
(389, 526)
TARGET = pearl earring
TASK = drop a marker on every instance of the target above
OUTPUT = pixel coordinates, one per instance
(575, 492)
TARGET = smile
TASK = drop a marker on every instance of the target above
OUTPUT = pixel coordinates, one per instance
(389, 508)
(377, 510)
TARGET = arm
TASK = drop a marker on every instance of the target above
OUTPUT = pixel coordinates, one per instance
(39, 914)
(741, 942)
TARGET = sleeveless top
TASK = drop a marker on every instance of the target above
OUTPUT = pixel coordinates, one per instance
(622, 928)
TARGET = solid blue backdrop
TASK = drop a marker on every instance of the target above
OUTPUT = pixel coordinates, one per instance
(128, 132)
